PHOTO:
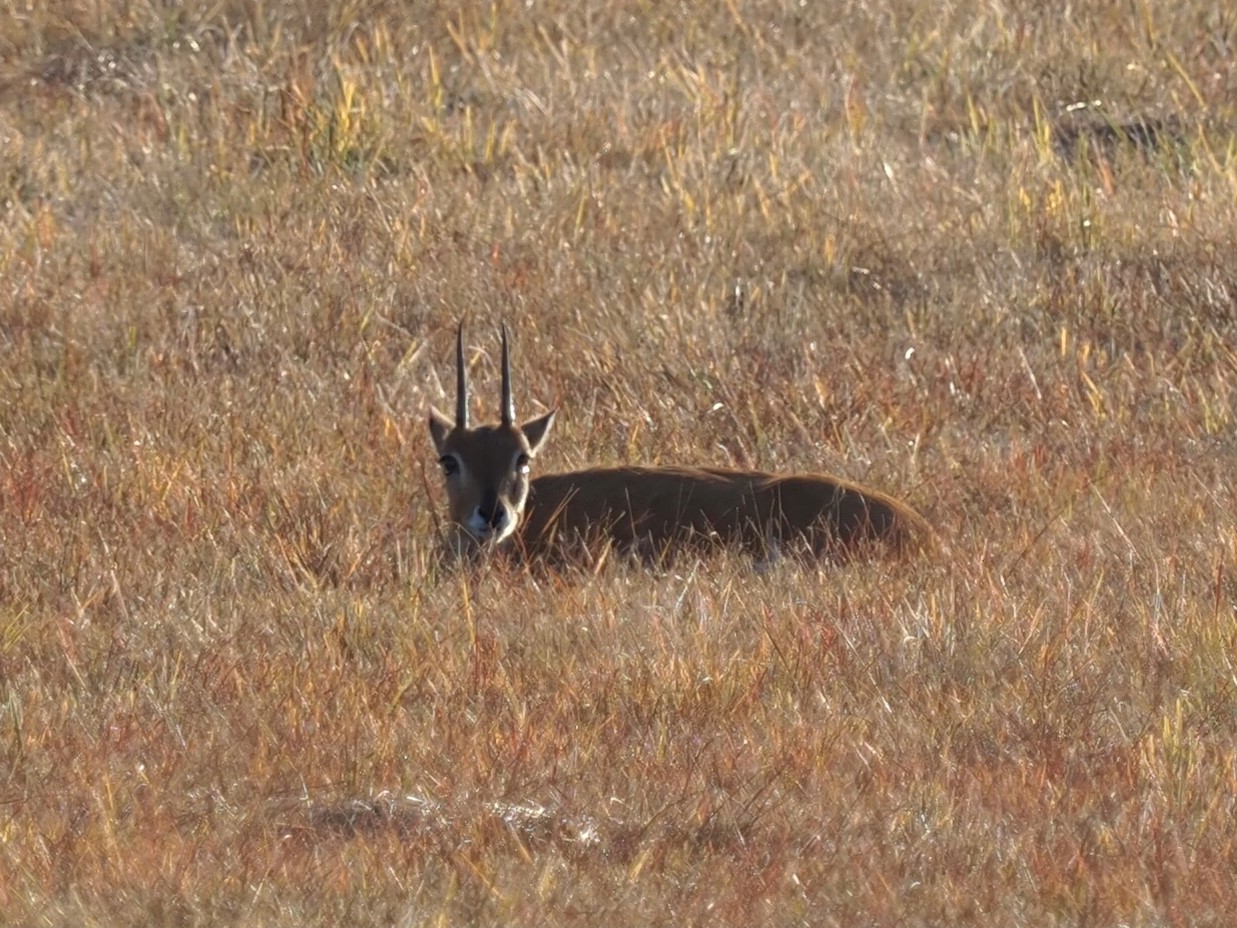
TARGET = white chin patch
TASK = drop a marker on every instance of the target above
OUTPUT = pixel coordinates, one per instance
(484, 532)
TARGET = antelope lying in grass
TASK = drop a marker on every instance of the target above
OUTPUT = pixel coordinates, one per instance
(653, 511)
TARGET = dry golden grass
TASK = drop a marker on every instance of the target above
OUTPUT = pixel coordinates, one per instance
(871, 238)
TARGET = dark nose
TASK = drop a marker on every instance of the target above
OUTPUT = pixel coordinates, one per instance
(492, 512)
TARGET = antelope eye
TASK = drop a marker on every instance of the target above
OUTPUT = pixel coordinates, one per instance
(450, 466)
(521, 464)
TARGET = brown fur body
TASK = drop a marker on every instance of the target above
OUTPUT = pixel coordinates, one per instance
(653, 511)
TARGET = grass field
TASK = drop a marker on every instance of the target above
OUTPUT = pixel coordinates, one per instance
(979, 255)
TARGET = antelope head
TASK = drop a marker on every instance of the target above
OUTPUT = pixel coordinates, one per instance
(486, 468)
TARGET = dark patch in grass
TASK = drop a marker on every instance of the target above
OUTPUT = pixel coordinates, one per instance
(87, 68)
(1096, 137)
(405, 815)
(528, 823)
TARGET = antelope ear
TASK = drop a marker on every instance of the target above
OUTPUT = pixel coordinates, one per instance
(536, 430)
(440, 428)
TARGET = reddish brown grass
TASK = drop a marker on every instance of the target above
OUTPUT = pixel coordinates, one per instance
(874, 239)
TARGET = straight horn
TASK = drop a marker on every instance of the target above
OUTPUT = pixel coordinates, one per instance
(508, 407)
(461, 382)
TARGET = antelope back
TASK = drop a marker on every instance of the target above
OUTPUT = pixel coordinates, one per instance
(660, 509)
(486, 469)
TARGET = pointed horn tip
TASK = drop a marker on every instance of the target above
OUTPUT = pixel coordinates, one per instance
(508, 403)
(461, 380)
